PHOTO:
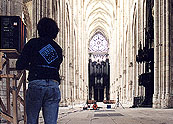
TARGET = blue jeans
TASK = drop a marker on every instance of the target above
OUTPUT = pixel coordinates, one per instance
(43, 94)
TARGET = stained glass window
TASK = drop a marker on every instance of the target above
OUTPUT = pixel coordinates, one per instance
(98, 43)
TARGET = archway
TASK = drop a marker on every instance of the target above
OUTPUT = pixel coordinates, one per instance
(99, 68)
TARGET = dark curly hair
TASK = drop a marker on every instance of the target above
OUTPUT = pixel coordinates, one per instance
(47, 27)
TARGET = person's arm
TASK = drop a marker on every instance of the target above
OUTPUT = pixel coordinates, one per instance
(61, 56)
(23, 60)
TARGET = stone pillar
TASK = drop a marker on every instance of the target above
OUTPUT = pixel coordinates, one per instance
(163, 53)
(44, 8)
(51, 9)
(34, 15)
(4, 7)
(8, 5)
(105, 93)
(156, 53)
(63, 40)
(48, 14)
(167, 53)
(92, 93)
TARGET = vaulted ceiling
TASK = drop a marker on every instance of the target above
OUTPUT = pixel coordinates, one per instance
(99, 16)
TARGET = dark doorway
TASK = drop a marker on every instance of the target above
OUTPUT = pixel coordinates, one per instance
(99, 80)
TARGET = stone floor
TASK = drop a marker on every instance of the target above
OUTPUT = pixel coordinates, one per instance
(115, 116)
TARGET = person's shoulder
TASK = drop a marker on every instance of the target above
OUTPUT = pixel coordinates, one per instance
(57, 45)
(31, 43)
(32, 40)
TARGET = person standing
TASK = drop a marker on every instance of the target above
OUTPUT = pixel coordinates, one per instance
(42, 56)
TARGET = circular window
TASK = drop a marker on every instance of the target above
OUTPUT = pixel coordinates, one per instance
(98, 44)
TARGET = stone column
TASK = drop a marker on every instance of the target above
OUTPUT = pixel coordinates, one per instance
(4, 7)
(105, 93)
(92, 93)
(167, 52)
(48, 14)
(156, 53)
(34, 15)
(63, 32)
(163, 54)
(8, 5)
(51, 8)
(44, 8)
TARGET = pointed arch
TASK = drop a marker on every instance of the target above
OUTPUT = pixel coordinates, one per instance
(98, 43)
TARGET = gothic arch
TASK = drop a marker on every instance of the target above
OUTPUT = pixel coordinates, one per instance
(102, 44)
(98, 21)
(96, 30)
(97, 11)
(99, 68)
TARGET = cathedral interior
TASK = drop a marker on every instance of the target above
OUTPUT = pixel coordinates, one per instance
(112, 49)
